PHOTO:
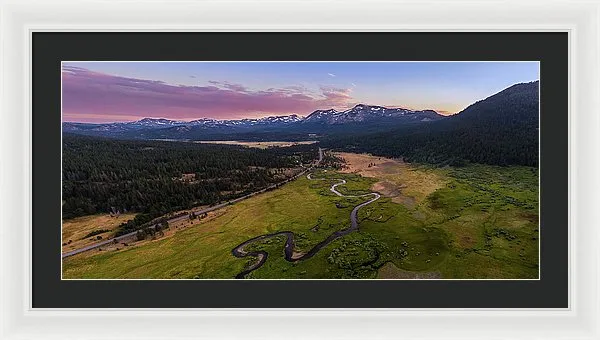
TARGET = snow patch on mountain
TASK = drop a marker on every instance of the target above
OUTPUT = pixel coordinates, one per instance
(362, 113)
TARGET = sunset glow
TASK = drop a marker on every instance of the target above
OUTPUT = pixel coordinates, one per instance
(126, 91)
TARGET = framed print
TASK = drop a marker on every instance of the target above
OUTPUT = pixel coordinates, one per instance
(323, 173)
(219, 182)
(229, 194)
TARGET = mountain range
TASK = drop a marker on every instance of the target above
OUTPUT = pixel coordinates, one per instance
(501, 129)
(318, 122)
(366, 113)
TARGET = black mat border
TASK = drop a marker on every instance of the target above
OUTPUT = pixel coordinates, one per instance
(50, 48)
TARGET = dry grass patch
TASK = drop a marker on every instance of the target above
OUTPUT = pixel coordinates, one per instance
(259, 145)
(390, 271)
(405, 183)
(166, 233)
(74, 230)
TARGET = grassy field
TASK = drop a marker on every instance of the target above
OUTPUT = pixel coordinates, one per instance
(471, 222)
(492, 215)
(260, 145)
(74, 231)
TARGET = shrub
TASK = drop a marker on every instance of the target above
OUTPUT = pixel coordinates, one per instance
(94, 233)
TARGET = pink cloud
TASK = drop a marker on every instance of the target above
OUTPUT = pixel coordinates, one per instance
(93, 96)
(336, 94)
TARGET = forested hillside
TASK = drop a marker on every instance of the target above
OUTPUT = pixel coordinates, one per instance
(500, 130)
(154, 177)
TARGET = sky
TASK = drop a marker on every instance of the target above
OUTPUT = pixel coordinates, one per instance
(99, 92)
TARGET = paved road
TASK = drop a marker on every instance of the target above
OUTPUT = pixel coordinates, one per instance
(184, 217)
(262, 255)
(129, 235)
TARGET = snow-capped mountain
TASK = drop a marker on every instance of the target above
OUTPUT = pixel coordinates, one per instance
(159, 123)
(321, 115)
(362, 113)
(155, 122)
(146, 123)
(263, 121)
(320, 121)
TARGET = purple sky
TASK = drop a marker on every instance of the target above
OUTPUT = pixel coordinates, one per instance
(126, 91)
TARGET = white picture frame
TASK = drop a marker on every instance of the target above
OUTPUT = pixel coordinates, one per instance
(19, 18)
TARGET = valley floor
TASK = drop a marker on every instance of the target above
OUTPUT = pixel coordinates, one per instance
(260, 145)
(86, 230)
(476, 222)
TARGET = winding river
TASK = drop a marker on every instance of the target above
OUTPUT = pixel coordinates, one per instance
(289, 253)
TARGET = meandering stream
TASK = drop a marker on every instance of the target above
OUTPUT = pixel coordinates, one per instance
(289, 253)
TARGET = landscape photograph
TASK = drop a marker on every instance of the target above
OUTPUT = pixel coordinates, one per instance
(300, 170)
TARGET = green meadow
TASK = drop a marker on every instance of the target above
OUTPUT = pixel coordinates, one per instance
(482, 223)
